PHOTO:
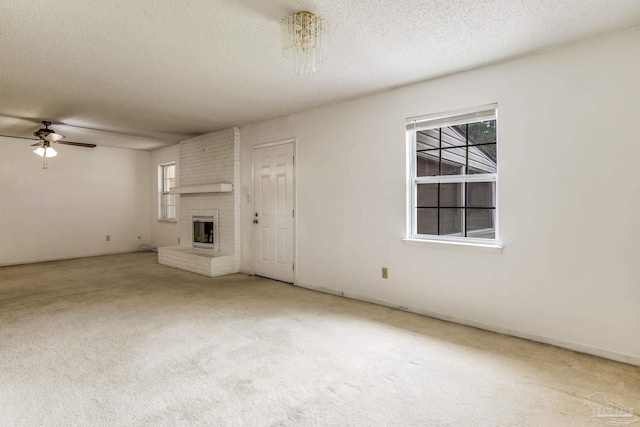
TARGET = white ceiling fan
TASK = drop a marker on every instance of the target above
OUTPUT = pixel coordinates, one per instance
(45, 137)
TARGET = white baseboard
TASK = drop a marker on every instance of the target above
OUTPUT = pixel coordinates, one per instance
(35, 261)
(581, 348)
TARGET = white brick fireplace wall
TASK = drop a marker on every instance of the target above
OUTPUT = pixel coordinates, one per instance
(207, 160)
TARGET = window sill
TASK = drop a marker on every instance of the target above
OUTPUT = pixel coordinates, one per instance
(167, 220)
(466, 246)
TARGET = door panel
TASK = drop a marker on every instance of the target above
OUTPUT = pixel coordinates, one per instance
(273, 201)
(264, 244)
(281, 246)
(281, 202)
(264, 187)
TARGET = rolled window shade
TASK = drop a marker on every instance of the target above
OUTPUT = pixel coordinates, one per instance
(453, 118)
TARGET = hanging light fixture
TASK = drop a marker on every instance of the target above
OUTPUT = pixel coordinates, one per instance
(47, 136)
(304, 41)
(46, 152)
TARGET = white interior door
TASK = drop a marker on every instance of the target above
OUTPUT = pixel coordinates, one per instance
(273, 218)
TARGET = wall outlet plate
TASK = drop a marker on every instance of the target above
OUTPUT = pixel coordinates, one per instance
(385, 273)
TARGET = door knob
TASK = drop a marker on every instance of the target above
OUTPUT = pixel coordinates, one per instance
(255, 221)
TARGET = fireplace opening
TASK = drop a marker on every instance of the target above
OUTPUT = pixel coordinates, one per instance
(204, 235)
(203, 231)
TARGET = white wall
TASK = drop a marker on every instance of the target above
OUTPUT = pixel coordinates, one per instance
(568, 187)
(163, 233)
(67, 211)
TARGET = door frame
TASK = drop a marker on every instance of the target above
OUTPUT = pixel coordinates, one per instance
(253, 199)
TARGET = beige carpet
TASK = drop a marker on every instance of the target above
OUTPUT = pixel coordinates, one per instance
(121, 340)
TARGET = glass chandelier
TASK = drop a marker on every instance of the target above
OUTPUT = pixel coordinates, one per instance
(304, 41)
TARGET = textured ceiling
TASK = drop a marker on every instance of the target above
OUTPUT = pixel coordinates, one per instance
(162, 70)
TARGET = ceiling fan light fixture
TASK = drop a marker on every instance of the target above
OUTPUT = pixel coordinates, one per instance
(45, 137)
(304, 41)
(45, 151)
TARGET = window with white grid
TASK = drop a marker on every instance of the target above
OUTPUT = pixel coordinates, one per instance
(167, 201)
(453, 174)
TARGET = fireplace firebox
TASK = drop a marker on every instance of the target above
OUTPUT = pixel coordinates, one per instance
(204, 232)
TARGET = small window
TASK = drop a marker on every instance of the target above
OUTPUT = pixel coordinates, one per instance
(452, 190)
(167, 201)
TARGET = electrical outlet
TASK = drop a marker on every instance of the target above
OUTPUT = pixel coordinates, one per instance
(385, 273)
(108, 238)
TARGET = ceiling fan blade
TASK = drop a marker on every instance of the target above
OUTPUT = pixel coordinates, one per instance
(36, 144)
(20, 137)
(77, 144)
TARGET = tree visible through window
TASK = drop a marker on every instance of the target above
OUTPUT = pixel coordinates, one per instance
(453, 175)
(166, 181)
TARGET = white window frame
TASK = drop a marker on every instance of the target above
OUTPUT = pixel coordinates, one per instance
(415, 124)
(164, 192)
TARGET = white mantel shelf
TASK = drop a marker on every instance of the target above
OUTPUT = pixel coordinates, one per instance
(206, 188)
